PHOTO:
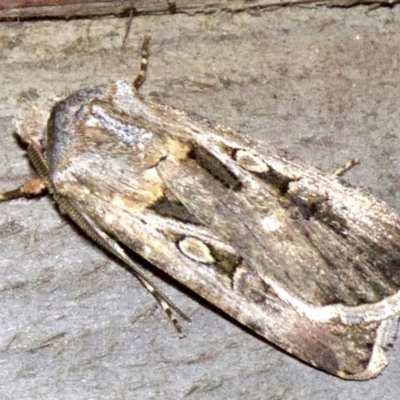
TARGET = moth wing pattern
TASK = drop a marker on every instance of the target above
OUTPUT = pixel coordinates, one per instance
(235, 221)
(290, 208)
(213, 270)
(300, 222)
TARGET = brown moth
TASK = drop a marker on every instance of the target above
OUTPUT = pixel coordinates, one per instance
(286, 249)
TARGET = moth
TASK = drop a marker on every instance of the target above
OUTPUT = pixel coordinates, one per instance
(302, 259)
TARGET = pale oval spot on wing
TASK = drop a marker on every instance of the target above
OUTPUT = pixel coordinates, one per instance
(271, 224)
(251, 162)
(196, 250)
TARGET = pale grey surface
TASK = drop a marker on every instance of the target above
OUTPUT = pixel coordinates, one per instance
(75, 325)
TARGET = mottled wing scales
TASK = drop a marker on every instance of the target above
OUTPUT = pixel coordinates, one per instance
(212, 269)
(300, 222)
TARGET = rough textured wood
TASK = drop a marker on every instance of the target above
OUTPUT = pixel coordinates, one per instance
(23, 9)
(28, 9)
(73, 323)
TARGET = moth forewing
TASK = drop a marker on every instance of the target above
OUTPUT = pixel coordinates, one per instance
(164, 199)
(195, 256)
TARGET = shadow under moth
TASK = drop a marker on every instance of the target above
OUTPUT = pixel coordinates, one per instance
(286, 249)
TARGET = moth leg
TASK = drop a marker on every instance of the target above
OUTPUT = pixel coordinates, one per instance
(165, 307)
(141, 77)
(351, 164)
(31, 188)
